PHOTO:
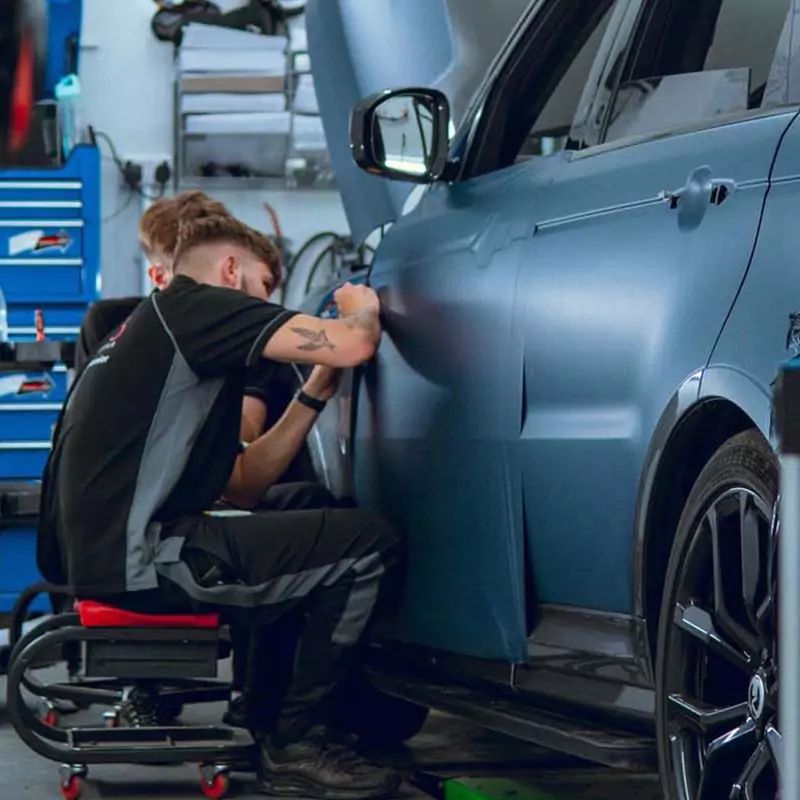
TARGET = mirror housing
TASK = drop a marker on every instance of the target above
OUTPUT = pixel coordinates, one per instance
(402, 134)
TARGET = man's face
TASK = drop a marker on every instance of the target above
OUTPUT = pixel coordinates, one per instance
(257, 279)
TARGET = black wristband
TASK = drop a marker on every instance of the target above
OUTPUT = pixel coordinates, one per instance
(310, 402)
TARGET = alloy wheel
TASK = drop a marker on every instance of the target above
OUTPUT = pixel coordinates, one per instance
(721, 675)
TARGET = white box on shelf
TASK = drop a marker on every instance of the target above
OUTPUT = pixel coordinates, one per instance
(244, 123)
(196, 34)
(305, 98)
(224, 102)
(208, 59)
(308, 135)
(298, 40)
(302, 62)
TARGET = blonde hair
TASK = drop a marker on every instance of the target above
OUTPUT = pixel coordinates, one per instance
(160, 223)
(226, 228)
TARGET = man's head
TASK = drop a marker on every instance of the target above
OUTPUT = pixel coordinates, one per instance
(158, 229)
(222, 251)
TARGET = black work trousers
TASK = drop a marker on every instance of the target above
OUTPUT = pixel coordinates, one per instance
(326, 570)
(261, 658)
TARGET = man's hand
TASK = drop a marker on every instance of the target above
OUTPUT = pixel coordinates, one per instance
(322, 383)
(356, 299)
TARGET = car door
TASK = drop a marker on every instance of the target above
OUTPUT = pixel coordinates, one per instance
(436, 427)
(642, 239)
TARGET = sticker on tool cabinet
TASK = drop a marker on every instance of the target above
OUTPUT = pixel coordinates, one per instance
(327, 308)
(20, 384)
(38, 242)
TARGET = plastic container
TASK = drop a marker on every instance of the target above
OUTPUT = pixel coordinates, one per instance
(70, 116)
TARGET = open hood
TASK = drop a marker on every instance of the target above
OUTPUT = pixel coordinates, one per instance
(358, 48)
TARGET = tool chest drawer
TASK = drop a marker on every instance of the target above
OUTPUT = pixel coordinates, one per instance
(42, 197)
(26, 423)
(23, 460)
(62, 321)
(42, 260)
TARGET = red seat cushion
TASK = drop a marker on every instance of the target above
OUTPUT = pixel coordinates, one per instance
(97, 615)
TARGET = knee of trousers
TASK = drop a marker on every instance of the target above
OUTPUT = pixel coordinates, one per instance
(387, 539)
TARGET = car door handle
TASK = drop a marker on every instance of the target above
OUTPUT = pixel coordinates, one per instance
(721, 190)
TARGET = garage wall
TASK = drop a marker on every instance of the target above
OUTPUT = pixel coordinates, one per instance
(127, 84)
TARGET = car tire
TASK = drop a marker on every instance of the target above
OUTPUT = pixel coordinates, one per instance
(716, 665)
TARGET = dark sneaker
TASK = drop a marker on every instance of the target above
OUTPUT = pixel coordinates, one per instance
(237, 715)
(327, 771)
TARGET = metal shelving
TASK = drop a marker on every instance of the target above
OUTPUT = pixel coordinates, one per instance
(244, 121)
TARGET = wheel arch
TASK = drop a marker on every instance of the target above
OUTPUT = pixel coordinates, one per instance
(690, 431)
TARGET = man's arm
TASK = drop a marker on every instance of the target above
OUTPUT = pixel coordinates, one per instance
(345, 342)
(269, 455)
(254, 415)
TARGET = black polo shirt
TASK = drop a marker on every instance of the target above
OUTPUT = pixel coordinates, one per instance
(150, 431)
(100, 321)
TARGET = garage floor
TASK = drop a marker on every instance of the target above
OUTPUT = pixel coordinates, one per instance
(446, 747)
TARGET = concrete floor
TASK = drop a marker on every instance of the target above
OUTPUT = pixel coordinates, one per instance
(446, 748)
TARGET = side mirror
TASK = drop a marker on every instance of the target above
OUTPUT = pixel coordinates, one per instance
(402, 134)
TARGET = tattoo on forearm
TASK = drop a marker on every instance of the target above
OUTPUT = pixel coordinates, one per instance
(316, 340)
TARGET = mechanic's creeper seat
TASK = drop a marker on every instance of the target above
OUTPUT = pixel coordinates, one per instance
(168, 655)
(157, 659)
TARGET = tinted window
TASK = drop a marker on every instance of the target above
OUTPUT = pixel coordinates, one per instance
(693, 60)
(550, 131)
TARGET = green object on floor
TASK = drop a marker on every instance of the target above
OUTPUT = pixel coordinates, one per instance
(491, 789)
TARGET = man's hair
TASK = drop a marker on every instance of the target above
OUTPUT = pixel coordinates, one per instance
(224, 228)
(159, 225)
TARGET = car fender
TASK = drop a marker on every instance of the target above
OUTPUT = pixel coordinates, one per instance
(739, 391)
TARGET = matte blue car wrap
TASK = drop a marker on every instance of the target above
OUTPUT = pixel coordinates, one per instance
(551, 330)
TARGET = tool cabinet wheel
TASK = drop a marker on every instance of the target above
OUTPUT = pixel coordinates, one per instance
(215, 787)
(71, 788)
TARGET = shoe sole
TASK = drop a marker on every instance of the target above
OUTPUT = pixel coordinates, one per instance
(299, 787)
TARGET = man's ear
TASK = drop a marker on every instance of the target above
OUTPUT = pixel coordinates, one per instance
(232, 272)
(157, 275)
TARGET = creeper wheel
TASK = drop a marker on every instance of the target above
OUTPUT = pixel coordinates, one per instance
(71, 788)
(49, 716)
(214, 782)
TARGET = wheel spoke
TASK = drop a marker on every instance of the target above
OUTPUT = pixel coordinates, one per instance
(723, 761)
(751, 556)
(736, 738)
(704, 718)
(775, 744)
(745, 784)
(732, 629)
(680, 767)
(697, 622)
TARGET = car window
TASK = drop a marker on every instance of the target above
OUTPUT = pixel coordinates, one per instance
(692, 61)
(550, 132)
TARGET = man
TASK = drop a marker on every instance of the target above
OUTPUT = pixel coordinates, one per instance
(270, 387)
(147, 442)
(285, 476)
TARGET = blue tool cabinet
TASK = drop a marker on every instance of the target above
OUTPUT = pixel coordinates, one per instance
(49, 260)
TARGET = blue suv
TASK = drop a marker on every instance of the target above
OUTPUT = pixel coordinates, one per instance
(570, 412)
